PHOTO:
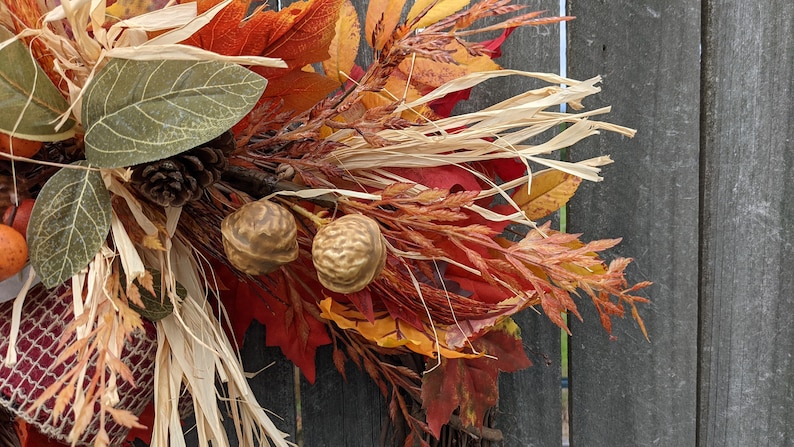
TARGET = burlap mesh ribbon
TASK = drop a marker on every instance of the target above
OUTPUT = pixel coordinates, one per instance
(44, 317)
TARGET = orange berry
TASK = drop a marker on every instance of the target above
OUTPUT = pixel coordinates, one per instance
(18, 216)
(22, 148)
(13, 252)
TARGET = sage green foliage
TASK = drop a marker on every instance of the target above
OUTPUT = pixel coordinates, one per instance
(156, 307)
(27, 91)
(140, 111)
(68, 223)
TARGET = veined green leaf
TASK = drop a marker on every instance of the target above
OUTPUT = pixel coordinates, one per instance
(157, 306)
(26, 90)
(68, 223)
(140, 111)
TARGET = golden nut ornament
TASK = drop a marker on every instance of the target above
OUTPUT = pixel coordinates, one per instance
(348, 253)
(260, 237)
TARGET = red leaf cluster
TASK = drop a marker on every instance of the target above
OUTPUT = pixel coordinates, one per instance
(471, 384)
(292, 326)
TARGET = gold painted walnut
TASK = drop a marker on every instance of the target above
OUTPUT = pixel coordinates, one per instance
(348, 253)
(260, 237)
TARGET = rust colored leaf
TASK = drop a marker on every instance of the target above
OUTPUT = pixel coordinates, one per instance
(299, 90)
(471, 384)
(550, 190)
(382, 18)
(344, 46)
(299, 34)
(435, 73)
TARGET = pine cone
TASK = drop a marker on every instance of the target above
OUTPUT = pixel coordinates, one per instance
(176, 180)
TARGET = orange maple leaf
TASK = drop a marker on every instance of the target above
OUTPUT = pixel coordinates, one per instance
(300, 34)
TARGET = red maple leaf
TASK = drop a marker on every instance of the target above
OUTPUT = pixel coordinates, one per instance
(471, 384)
(290, 326)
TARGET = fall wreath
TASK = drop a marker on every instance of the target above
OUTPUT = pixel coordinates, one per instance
(174, 170)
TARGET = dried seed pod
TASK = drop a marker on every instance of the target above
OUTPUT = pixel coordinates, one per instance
(348, 253)
(260, 237)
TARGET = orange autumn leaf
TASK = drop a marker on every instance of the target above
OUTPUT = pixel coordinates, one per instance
(394, 90)
(550, 190)
(299, 34)
(435, 73)
(390, 333)
(299, 90)
(382, 18)
(344, 46)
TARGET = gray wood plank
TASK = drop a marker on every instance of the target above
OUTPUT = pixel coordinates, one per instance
(630, 392)
(274, 385)
(530, 404)
(339, 413)
(529, 411)
(747, 291)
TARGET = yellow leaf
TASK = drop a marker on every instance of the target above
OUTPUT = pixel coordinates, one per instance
(382, 18)
(344, 45)
(389, 333)
(441, 10)
(550, 190)
(124, 9)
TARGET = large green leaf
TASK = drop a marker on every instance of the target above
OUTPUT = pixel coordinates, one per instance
(68, 223)
(140, 111)
(26, 90)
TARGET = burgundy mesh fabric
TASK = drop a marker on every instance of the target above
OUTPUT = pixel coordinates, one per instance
(44, 317)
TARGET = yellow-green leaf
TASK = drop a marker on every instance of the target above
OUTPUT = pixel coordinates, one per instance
(26, 91)
(141, 111)
(68, 223)
(549, 191)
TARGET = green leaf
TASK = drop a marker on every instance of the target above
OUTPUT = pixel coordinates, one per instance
(141, 111)
(157, 306)
(22, 80)
(68, 223)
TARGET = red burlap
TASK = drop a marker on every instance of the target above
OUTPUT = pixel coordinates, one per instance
(44, 317)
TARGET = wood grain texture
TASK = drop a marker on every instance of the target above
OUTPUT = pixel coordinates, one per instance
(629, 392)
(530, 403)
(339, 413)
(747, 290)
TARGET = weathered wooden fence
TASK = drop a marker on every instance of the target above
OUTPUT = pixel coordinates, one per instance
(704, 200)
